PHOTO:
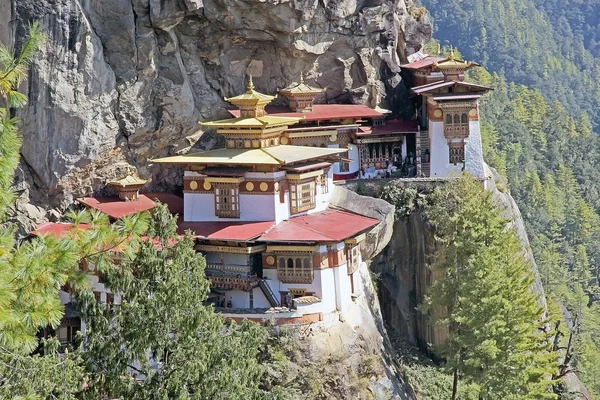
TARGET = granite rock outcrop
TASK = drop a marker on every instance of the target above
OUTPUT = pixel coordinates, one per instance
(123, 81)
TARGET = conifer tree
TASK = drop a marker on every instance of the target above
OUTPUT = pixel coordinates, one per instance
(28, 289)
(30, 273)
(160, 341)
(495, 339)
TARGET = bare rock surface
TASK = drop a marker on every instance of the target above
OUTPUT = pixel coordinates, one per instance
(378, 237)
(140, 74)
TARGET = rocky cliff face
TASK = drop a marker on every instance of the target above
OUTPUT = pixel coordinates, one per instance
(122, 81)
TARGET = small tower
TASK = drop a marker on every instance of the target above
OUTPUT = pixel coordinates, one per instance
(301, 96)
(128, 187)
(252, 103)
(453, 69)
(253, 129)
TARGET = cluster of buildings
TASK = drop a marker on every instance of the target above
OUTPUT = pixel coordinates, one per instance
(259, 207)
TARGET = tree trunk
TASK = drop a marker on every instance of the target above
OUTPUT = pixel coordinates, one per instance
(455, 385)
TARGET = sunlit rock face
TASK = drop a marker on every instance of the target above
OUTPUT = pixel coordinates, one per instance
(128, 80)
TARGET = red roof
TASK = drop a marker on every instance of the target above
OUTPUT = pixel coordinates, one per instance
(117, 208)
(457, 96)
(321, 112)
(443, 84)
(323, 226)
(391, 127)
(423, 63)
(175, 203)
(225, 230)
(56, 229)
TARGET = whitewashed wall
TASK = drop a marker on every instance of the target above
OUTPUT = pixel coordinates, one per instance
(440, 153)
(474, 152)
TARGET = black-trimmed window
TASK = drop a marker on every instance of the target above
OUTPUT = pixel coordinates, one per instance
(227, 200)
(457, 152)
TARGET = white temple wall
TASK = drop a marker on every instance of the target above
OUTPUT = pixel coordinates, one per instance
(257, 207)
(198, 207)
(322, 200)
(343, 290)
(440, 153)
(265, 175)
(474, 163)
(226, 258)
(282, 210)
(353, 166)
(201, 207)
(239, 298)
(260, 301)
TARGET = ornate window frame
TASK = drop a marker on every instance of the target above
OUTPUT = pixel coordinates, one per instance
(303, 195)
(227, 200)
(456, 152)
(295, 267)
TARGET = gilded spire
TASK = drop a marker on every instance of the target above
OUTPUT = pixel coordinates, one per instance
(301, 77)
(451, 56)
(251, 103)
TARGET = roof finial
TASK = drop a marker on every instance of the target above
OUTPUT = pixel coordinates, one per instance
(301, 77)
(250, 83)
(451, 56)
(439, 48)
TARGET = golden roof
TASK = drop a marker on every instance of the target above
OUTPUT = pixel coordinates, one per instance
(301, 88)
(277, 155)
(128, 181)
(451, 63)
(266, 121)
(251, 97)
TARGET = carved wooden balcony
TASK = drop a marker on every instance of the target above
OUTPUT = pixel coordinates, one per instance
(228, 269)
(233, 282)
(295, 275)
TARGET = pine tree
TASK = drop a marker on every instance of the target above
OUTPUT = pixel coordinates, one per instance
(31, 273)
(161, 333)
(493, 317)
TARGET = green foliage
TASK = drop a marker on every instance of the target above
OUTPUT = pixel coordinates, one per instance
(51, 376)
(13, 68)
(161, 330)
(551, 160)
(493, 317)
(405, 199)
(31, 273)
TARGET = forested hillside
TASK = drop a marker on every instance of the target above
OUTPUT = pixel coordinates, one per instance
(538, 131)
(546, 45)
(550, 160)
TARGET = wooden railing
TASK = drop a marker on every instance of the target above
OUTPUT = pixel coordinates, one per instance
(231, 282)
(456, 131)
(295, 275)
(242, 270)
